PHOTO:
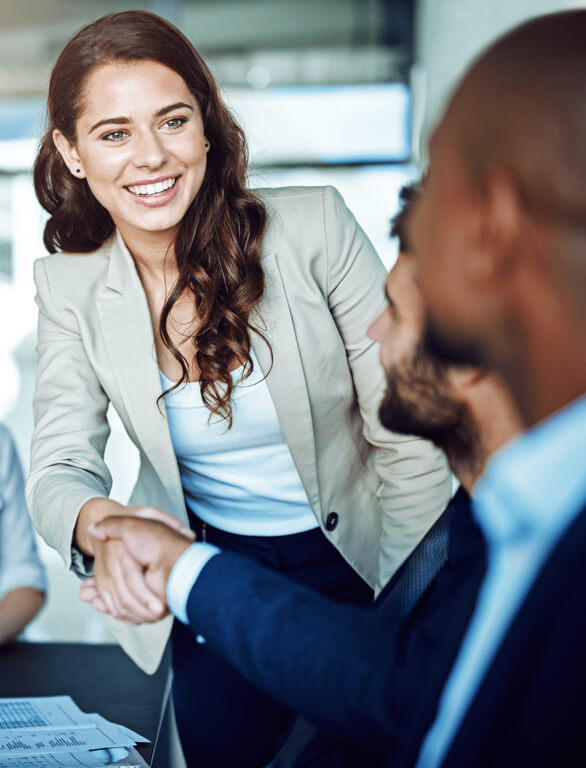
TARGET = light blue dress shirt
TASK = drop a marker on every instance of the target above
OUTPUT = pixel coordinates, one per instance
(530, 494)
(20, 565)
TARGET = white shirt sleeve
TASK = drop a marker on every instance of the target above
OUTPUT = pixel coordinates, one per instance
(20, 565)
(184, 575)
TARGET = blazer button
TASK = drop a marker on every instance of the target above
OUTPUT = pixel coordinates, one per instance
(331, 521)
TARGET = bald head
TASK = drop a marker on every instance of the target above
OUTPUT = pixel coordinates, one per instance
(523, 106)
(500, 229)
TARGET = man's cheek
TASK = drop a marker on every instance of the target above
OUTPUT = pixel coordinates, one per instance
(428, 280)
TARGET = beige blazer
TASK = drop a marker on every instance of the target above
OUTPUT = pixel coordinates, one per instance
(324, 285)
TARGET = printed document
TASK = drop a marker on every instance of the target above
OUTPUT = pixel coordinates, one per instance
(52, 732)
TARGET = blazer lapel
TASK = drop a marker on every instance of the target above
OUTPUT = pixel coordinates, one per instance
(126, 325)
(286, 379)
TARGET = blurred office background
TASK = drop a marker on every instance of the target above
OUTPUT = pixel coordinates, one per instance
(340, 92)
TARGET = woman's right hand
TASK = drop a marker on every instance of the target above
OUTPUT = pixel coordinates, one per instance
(118, 586)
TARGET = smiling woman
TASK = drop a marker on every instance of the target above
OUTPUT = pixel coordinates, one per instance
(227, 327)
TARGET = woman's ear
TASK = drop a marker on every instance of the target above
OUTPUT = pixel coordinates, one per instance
(69, 154)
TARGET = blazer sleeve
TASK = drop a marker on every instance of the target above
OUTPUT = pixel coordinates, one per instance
(71, 428)
(415, 481)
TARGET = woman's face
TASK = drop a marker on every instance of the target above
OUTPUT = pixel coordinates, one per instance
(140, 145)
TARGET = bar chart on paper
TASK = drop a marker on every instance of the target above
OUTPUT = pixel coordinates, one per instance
(20, 714)
(33, 741)
(52, 732)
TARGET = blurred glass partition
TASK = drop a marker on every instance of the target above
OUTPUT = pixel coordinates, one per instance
(355, 137)
(20, 244)
(325, 125)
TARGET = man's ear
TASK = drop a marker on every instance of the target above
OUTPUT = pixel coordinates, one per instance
(69, 154)
(500, 222)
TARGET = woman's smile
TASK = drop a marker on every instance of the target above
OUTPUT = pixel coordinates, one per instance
(155, 192)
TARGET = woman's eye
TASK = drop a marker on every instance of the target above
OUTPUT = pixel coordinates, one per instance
(114, 136)
(175, 122)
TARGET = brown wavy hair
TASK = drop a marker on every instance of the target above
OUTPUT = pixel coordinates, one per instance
(218, 244)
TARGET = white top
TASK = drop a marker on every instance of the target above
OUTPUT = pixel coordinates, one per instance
(19, 561)
(243, 479)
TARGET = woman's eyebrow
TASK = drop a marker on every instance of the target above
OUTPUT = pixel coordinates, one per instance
(126, 120)
(108, 121)
(173, 107)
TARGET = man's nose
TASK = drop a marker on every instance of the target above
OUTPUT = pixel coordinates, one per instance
(376, 330)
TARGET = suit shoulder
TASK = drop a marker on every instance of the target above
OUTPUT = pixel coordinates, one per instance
(303, 196)
(301, 212)
(63, 262)
(76, 270)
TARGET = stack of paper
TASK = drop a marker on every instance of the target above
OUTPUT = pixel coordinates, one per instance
(52, 732)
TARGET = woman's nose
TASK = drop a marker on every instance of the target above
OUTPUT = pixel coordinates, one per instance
(150, 151)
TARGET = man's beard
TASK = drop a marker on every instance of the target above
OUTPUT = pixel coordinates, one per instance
(417, 402)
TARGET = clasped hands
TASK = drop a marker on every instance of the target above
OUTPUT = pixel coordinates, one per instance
(134, 550)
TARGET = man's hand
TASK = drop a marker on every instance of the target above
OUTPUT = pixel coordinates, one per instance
(144, 554)
(118, 586)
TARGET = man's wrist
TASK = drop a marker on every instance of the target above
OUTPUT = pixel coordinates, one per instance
(184, 574)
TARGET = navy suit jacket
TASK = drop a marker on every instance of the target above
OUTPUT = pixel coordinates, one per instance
(369, 676)
(531, 707)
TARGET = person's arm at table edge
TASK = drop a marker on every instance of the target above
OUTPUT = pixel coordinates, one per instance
(18, 607)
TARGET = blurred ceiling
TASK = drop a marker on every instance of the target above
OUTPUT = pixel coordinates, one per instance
(252, 43)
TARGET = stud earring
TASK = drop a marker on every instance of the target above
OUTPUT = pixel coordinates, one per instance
(78, 170)
(206, 144)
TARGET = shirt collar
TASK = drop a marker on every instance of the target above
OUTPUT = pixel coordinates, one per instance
(538, 481)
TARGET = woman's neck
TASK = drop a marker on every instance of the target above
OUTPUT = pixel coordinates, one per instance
(152, 252)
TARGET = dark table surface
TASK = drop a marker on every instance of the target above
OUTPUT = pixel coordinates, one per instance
(99, 678)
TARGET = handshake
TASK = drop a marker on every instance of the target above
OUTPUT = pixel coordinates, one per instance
(134, 555)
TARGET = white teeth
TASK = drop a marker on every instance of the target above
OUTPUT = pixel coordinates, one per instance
(152, 189)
